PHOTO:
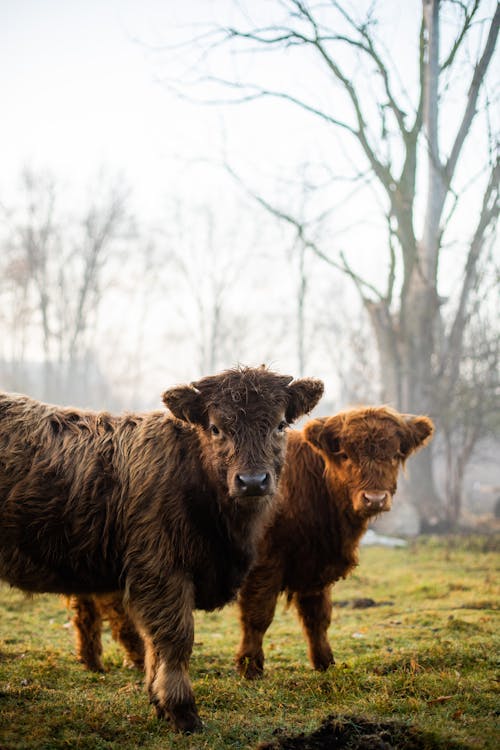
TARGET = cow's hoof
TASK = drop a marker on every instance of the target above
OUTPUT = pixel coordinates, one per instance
(93, 666)
(185, 718)
(249, 668)
(323, 663)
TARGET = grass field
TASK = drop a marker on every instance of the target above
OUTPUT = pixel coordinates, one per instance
(426, 657)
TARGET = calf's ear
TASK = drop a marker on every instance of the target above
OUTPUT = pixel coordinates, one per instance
(324, 434)
(186, 403)
(303, 395)
(418, 431)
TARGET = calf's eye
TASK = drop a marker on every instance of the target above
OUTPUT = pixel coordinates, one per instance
(282, 426)
(214, 429)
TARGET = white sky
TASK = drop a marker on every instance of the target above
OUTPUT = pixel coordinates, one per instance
(79, 91)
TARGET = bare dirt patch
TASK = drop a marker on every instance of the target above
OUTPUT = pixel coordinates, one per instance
(357, 733)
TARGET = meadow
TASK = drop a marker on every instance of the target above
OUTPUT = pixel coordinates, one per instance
(423, 655)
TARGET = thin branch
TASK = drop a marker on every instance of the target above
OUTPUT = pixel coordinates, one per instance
(301, 235)
(488, 216)
(381, 170)
(260, 93)
(461, 36)
(369, 48)
(470, 109)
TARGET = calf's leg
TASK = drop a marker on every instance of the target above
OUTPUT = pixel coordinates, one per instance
(123, 629)
(315, 613)
(87, 622)
(164, 610)
(257, 603)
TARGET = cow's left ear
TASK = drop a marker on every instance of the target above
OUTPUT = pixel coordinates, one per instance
(186, 403)
(417, 432)
(323, 434)
(303, 395)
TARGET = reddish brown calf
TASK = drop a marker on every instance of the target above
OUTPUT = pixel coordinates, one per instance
(340, 472)
(165, 509)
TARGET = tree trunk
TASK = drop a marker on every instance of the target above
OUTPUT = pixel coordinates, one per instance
(405, 353)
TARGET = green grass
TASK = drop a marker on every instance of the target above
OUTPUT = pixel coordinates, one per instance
(427, 660)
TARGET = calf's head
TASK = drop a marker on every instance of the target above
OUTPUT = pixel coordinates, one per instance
(363, 450)
(242, 416)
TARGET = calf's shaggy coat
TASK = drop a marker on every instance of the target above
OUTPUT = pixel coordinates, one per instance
(340, 472)
(166, 510)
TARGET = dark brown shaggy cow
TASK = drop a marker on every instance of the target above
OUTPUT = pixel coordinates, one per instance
(340, 472)
(166, 510)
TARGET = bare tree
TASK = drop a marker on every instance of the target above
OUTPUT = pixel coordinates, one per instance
(397, 136)
(470, 411)
(207, 261)
(55, 267)
(34, 240)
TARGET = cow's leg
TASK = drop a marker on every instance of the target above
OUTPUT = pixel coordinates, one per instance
(315, 612)
(123, 629)
(257, 603)
(164, 610)
(87, 621)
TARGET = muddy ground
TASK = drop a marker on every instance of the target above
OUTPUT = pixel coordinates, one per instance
(357, 733)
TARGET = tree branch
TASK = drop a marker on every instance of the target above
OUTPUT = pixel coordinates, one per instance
(461, 36)
(286, 35)
(370, 50)
(488, 216)
(470, 109)
(300, 228)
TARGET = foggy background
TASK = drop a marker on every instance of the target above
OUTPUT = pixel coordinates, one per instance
(181, 191)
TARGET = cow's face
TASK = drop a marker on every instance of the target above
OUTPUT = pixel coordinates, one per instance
(242, 417)
(364, 448)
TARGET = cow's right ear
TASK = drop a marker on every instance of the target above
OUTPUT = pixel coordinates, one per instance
(186, 403)
(418, 430)
(324, 434)
(303, 395)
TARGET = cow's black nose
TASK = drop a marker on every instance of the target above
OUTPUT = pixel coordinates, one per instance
(375, 500)
(253, 484)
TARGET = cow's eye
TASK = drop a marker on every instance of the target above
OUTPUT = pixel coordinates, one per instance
(214, 430)
(282, 426)
(341, 455)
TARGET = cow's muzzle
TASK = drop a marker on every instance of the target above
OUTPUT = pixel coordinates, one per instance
(375, 502)
(253, 485)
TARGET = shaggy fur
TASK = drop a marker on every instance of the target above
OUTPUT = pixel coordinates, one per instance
(166, 510)
(340, 472)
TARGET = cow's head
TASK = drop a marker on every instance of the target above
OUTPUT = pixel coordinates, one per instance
(363, 450)
(242, 417)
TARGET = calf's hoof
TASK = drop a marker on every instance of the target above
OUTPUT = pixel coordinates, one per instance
(322, 663)
(92, 665)
(251, 669)
(185, 719)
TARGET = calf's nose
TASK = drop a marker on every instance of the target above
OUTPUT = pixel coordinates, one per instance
(374, 500)
(253, 484)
